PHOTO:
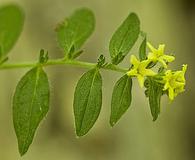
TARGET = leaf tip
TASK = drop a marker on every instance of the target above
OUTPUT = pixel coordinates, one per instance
(155, 118)
(133, 14)
(22, 153)
(22, 150)
(113, 122)
(80, 134)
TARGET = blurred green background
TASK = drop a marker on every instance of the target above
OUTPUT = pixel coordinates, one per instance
(135, 137)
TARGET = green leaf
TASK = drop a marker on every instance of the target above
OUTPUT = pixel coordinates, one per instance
(155, 91)
(30, 106)
(75, 31)
(11, 24)
(121, 98)
(87, 101)
(142, 49)
(101, 61)
(124, 38)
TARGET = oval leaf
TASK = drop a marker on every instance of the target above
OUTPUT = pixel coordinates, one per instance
(11, 24)
(142, 49)
(30, 106)
(75, 31)
(121, 98)
(155, 91)
(124, 38)
(87, 101)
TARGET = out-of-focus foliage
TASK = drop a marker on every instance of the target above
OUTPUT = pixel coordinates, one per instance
(10, 15)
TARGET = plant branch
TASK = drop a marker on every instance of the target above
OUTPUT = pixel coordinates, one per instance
(76, 63)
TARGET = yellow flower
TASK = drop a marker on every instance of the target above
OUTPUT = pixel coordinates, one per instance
(157, 55)
(174, 82)
(139, 69)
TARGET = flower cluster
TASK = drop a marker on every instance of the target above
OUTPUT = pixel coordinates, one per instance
(173, 81)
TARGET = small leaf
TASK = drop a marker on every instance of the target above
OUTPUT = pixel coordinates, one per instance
(30, 106)
(75, 31)
(124, 38)
(87, 101)
(121, 98)
(43, 57)
(77, 54)
(155, 91)
(142, 49)
(101, 60)
(12, 19)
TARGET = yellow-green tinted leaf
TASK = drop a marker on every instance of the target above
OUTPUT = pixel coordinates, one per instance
(155, 91)
(87, 101)
(124, 38)
(30, 106)
(11, 24)
(75, 30)
(121, 98)
(142, 49)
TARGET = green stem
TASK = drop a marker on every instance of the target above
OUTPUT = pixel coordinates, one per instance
(76, 63)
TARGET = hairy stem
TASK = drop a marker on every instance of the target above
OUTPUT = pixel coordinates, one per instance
(76, 63)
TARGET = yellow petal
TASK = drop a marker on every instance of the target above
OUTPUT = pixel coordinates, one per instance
(162, 62)
(151, 47)
(145, 63)
(168, 73)
(149, 72)
(171, 93)
(178, 84)
(134, 60)
(132, 72)
(150, 55)
(140, 80)
(166, 86)
(180, 75)
(168, 58)
(179, 90)
(161, 49)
